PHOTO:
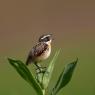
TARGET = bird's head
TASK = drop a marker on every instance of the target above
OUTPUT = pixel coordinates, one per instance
(46, 38)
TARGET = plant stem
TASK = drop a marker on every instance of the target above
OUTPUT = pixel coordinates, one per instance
(43, 91)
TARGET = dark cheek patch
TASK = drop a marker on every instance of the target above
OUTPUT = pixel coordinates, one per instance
(45, 39)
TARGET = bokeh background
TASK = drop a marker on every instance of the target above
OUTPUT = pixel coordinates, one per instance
(72, 23)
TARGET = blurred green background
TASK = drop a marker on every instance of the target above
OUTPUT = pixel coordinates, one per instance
(72, 23)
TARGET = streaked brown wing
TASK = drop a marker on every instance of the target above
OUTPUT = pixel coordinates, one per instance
(36, 51)
(39, 49)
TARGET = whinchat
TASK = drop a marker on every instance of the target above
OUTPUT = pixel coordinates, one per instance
(41, 50)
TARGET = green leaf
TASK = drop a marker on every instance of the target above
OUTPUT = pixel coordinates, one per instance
(47, 75)
(26, 74)
(65, 77)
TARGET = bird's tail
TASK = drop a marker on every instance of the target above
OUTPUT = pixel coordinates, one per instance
(29, 60)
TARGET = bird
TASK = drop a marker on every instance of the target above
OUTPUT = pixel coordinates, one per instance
(41, 51)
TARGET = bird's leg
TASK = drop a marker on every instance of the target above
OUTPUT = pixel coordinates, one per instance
(43, 69)
(40, 69)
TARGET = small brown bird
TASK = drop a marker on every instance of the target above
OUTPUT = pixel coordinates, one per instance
(41, 51)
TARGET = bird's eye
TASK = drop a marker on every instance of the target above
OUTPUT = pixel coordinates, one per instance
(47, 38)
(44, 39)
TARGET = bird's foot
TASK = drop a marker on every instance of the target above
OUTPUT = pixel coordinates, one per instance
(41, 70)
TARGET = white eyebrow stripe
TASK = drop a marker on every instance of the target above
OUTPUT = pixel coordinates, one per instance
(45, 36)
